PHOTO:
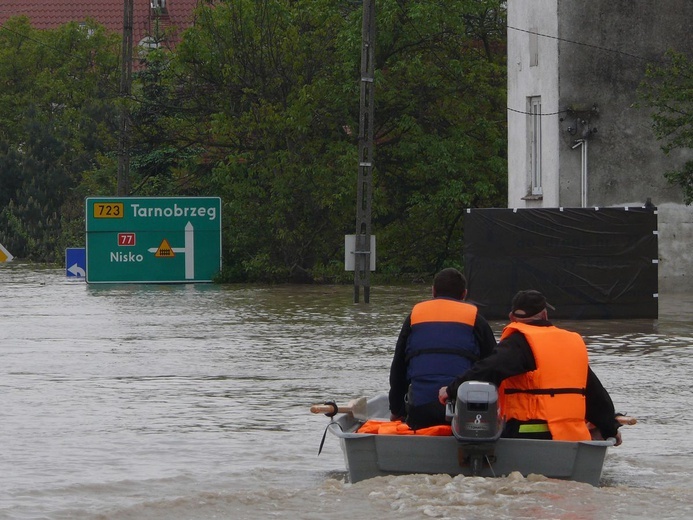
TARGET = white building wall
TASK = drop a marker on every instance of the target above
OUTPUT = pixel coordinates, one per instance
(525, 20)
(675, 224)
(626, 165)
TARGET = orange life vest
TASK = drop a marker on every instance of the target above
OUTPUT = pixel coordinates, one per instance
(555, 391)
(402, 428)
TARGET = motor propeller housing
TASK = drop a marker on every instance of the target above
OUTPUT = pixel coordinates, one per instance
(475, 414)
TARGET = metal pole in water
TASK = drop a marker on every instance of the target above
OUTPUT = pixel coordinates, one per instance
(362, 253)
(125, 91)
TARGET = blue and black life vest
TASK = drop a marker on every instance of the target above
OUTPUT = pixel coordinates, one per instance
(440, 347)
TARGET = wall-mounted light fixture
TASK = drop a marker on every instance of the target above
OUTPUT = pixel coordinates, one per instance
(581, 121)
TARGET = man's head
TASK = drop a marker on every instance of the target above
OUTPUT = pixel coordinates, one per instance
(450, 283)
(529, 304)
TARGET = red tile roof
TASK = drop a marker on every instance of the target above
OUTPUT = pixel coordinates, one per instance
(50, 14)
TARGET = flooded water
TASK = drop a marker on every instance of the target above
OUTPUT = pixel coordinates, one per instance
(191, 402)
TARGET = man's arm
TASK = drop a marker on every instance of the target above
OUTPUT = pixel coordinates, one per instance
(484, 337)
(398, 373)
(512, 357)
(600, 407)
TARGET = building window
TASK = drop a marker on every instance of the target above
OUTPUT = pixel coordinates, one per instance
(535, 144)
(533, 48)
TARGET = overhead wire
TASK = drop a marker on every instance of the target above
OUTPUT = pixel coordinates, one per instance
(441, 62)
(565, 40)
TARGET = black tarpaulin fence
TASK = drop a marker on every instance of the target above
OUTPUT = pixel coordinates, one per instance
(591, 263)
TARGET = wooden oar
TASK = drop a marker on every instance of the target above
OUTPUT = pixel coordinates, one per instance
(623, 420)
(358, 408)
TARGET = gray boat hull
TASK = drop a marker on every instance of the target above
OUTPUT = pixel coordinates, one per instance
(372, 455)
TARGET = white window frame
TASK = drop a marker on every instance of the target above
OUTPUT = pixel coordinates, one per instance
(534, 47)
(535, 148)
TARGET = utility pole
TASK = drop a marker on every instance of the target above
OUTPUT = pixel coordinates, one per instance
(125, 91)
(364, 192)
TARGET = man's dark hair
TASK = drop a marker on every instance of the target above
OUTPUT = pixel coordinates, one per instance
(450, 283)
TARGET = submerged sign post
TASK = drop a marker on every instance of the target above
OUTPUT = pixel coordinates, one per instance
(153, 239)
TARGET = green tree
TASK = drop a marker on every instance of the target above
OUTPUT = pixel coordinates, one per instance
(54, 124)
(668, 90)
(261, 90)
(440, 115)
(259, 104)
(269, 90)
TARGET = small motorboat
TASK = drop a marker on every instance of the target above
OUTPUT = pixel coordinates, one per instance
(474, 447)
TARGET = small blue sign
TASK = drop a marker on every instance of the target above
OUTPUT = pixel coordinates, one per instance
(76, 262)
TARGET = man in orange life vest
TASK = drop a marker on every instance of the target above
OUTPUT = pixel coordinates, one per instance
(440, 339)
(546, 388)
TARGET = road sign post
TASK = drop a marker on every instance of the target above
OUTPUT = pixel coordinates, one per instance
(153, 239)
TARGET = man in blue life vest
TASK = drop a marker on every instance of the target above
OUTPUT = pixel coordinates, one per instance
(546, 388)
(440, 339)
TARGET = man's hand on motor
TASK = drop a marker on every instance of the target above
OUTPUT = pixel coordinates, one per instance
(443, 394)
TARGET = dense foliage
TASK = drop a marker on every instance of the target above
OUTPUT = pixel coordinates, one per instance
(259, 104)
(56, 114)
(668, 89)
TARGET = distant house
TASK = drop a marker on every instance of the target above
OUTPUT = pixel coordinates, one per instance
(576, 135)
(155, 22)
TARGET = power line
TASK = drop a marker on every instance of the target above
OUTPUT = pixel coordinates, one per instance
(441, 62)
(534, 113)
(599, 47)
(524, 112)
(574, 42)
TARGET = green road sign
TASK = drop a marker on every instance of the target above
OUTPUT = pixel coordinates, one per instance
(153, 239)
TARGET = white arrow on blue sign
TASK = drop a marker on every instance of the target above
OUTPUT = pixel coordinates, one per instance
(76, 262)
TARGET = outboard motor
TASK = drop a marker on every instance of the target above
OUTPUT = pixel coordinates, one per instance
(475, 415)
(476, 422)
